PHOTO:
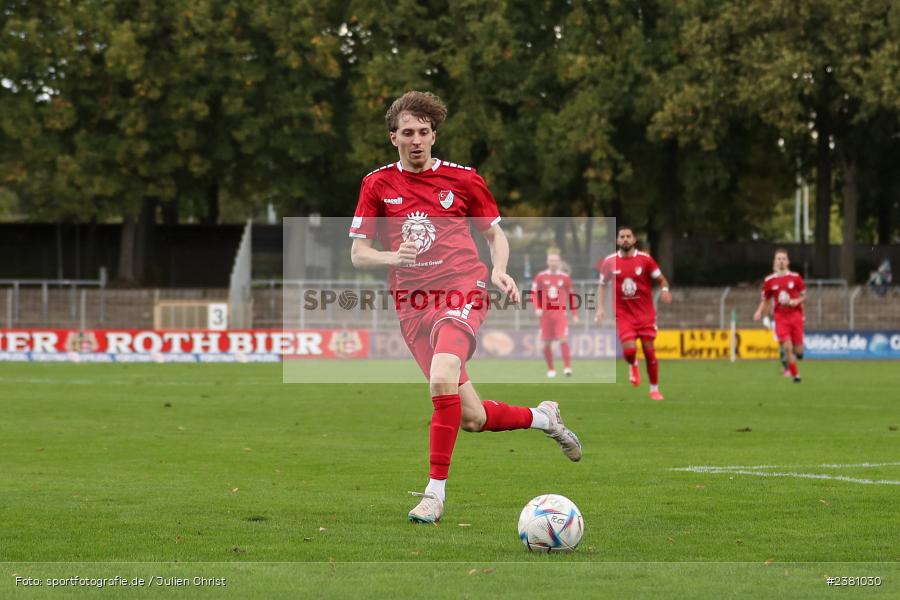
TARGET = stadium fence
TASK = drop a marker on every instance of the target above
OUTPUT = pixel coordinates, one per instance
(85, 304)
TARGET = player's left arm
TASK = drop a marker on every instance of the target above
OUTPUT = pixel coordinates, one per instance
(666, 295)
(499, 246)
(798, 300)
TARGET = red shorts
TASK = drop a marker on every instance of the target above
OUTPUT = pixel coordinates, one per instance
(789, 328)
(420, 326)
(628, 330)
(554, 325)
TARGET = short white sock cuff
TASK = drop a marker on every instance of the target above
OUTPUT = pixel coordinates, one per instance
(654, 388)
(539, 420)
(438, 487)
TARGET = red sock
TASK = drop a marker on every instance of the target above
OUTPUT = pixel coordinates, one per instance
(567, 354)
(792, 367)
(503, 417)
(652, 365)
(630, 355)
(548, 356)
(445, 422)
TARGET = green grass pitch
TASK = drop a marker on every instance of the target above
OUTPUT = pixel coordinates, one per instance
(300, 491)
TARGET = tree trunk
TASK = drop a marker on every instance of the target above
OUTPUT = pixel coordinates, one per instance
(59, 251)
(143, 239)
(885, 224)
(212, 203)
(90, 259)
(823, 194)
(125, 273)
(668, 196)
(851, 204)
(170, 212)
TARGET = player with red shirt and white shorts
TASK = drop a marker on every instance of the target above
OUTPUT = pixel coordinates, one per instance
(552, 297)
(419, 209)
(633, 274)
(787, 291)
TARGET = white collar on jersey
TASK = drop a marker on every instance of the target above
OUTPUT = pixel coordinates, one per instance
(434, 167)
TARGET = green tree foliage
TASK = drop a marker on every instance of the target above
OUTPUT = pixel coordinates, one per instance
(683, 118)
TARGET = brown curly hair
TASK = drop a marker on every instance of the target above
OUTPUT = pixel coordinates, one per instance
(423, 105)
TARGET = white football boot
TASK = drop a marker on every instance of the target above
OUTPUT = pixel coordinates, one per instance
(565, 437)
(429, 510)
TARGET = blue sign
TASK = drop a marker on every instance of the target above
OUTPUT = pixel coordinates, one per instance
(871, 345)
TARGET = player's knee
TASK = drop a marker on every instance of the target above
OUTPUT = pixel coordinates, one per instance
(472, 420)
(444, 377)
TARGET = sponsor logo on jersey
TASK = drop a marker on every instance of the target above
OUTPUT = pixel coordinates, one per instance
(397, 200)
(445, 197)
(629, 287)
(784, 297)
(417, 228)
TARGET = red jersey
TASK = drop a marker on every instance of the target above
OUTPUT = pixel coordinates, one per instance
(782, 288)
(432, 208)
(633, 278)
(552, 291)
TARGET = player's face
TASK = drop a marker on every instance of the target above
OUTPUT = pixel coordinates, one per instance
(625, 240)
(553, 262)
(781, 262)
(413, 139)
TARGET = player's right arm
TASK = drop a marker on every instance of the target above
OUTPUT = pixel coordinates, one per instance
(363, 255)
(601, 301)
(363, 230)
(601, 294)
(763, 308)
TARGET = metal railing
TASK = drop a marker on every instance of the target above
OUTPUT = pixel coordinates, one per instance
(86, 304)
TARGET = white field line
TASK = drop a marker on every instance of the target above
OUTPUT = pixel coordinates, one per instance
(823, 466)
(759, 471)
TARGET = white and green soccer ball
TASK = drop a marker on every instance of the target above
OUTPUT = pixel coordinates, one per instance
(551, 523)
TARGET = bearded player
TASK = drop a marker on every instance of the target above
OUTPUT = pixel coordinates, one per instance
(552, 296)
(633, 274)
(788, 292)
(419, 209)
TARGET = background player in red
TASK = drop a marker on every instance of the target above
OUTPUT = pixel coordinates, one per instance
(633, 273)
(420, 208)
(788, 292)
(552, 296)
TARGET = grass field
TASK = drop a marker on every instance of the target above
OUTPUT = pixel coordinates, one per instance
(300, 491)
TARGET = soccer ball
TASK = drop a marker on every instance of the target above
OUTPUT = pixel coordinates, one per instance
(551, 523)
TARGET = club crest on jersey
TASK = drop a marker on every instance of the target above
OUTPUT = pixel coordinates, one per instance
(790, 285)
(638, 270)
(629, 287)
(445, 197)
(417, 228)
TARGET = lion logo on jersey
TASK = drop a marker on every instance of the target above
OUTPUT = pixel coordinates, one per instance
(629, 287)
(417, 228)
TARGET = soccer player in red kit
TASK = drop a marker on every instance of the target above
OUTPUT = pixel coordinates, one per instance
(787, 290)
(633, 273)
(552, 296)
(419, 209)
